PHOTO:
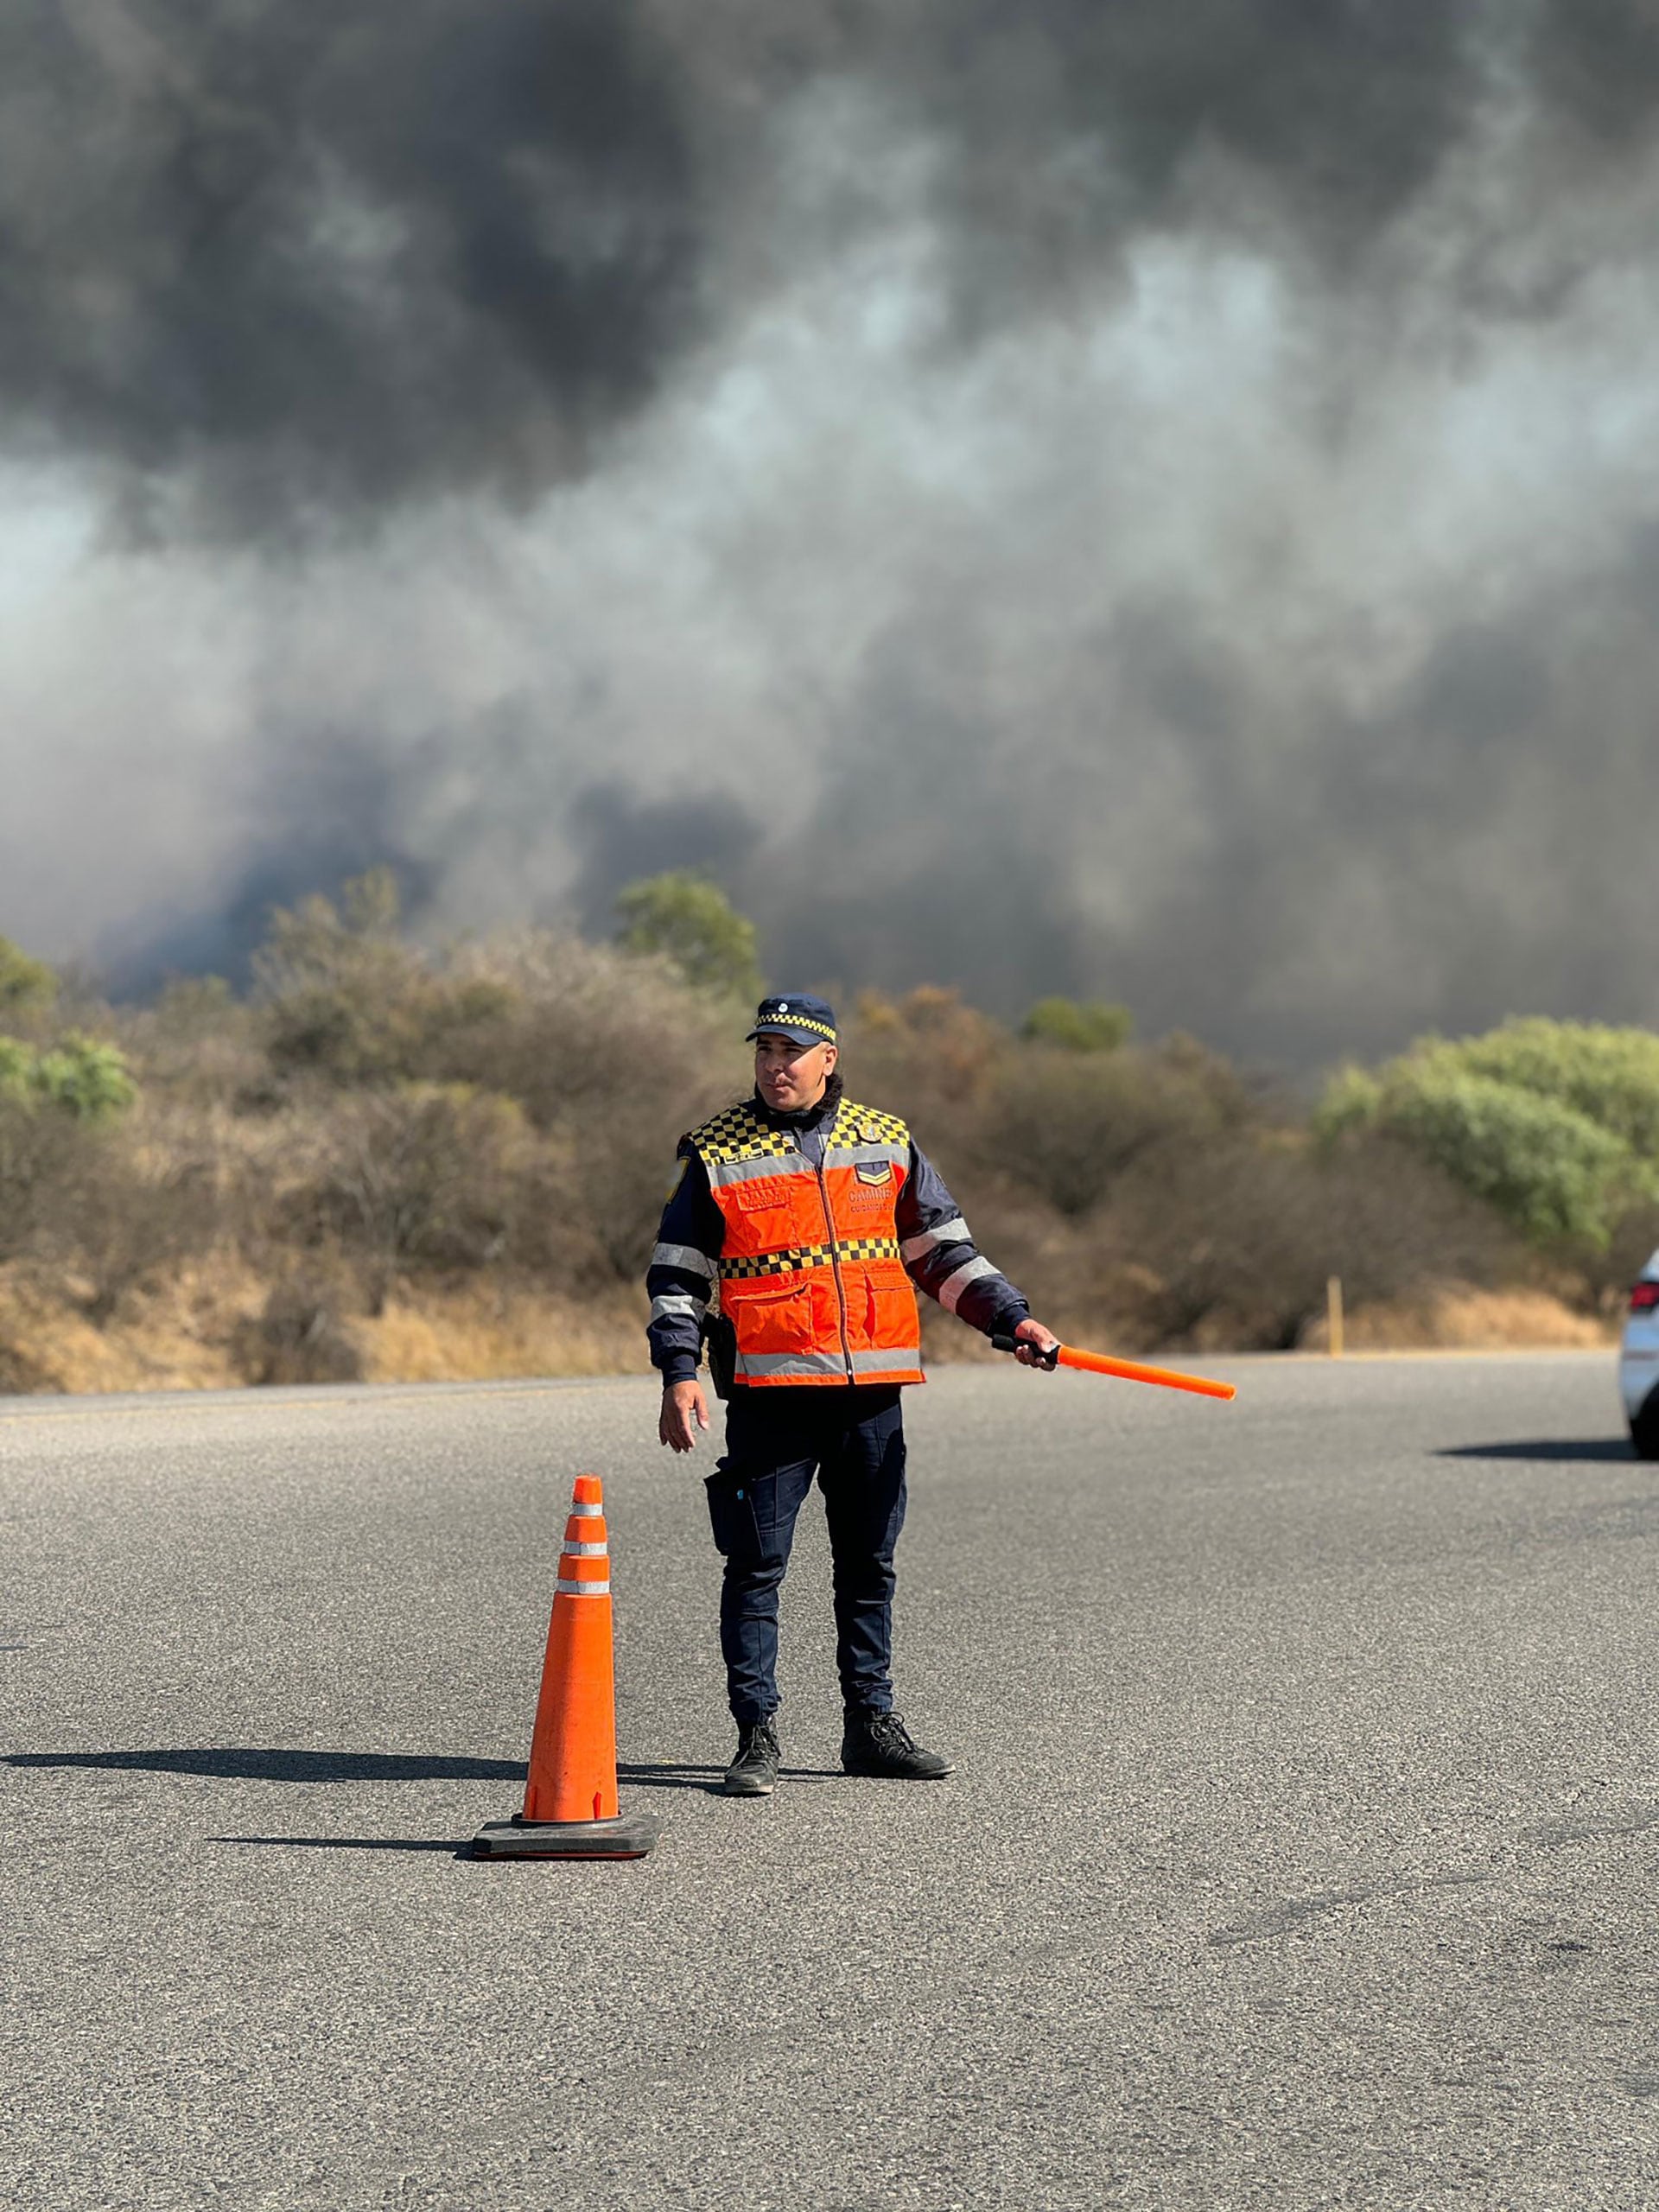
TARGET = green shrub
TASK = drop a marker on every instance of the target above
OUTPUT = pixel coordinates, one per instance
(89, 1081)
(81, 1078)
(1610, 1076)
(1554, 1124)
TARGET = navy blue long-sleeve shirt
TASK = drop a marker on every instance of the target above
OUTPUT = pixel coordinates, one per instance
(938, 1253)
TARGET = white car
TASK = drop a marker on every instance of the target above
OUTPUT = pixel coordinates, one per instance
(1639, 1362)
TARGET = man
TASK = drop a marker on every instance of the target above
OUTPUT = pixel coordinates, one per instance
(814, 1218)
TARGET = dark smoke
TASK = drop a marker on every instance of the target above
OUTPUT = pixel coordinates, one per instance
(294, 262)
(1148, 501)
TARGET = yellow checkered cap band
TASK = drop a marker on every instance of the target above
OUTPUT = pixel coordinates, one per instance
(797, 1014)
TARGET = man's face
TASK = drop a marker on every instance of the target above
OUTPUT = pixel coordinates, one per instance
(788, 1075)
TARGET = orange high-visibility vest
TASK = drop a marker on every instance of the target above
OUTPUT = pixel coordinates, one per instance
(810, 1277)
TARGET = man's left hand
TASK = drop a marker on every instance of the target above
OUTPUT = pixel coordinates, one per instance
(1032, 1340)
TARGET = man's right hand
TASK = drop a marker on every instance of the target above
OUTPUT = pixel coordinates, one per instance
(685, 1411)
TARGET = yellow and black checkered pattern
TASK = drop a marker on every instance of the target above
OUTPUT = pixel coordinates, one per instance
(799, 1256)
(739, 1132)
(867, 1248)
(863, 1125)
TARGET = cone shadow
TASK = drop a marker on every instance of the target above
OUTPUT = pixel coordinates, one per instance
(456, 1848)
(245, 1763)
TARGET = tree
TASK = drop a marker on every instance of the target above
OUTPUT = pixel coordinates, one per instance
(346, 996)
(23, 982)
(693, 923)
(1078, 1024)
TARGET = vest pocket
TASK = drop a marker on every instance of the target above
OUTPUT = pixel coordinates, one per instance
(765, 1206)
(891, 1322)
(778, 1319)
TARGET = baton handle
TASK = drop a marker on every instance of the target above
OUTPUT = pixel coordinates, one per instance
(1128, 1371)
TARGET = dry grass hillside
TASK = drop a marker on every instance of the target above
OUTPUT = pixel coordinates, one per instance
(390, 1163)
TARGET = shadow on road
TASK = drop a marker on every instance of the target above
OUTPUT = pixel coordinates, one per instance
(1550, 1448)
(242, 1763)
(245, 1763)
(708, 1778)
(456, 1848)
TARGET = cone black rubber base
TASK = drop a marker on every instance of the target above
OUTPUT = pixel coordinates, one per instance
(629, 1836)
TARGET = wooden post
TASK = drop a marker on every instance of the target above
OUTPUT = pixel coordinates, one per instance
(1334, 1313)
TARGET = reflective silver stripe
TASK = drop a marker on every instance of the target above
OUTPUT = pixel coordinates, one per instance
(684, 1255)
(890, 1360)
(792, 1362)
(747, 1171)
(951, 1288)
(582, 1589)
(601, 1550)
(678, 1301)
(954, 1231)
(843, 1154)
(893, 1357)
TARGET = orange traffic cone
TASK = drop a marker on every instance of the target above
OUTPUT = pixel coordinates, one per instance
(570, 1803)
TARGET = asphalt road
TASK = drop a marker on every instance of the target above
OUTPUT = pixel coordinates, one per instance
(1303, 1850)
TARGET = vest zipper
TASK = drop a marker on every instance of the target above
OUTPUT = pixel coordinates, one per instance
(834, 1268)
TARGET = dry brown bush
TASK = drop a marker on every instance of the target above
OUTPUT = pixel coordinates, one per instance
(302, 1333)
(1602, 1276)
(430, 1175)
(614, 1059)
(1069, 1125)
(926, 1057)
(1237, 1238)
(197, 1044)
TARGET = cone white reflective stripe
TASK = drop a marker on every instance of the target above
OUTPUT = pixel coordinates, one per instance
(581, 1589)
(601, 1550)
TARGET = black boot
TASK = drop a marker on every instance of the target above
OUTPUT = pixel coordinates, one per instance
(753, 1770)
(880, 1743)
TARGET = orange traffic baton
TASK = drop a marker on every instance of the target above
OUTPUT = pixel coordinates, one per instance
(570, 1803)
(1128, 1371)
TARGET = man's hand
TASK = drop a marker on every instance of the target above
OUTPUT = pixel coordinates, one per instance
(1032, 1340)
(685, 1412)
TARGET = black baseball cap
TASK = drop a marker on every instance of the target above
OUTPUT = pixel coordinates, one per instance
(797, 1014)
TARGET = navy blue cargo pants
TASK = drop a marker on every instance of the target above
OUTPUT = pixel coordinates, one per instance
(777, 1440)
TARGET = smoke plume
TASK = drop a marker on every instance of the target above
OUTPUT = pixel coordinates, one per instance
(1160, 504)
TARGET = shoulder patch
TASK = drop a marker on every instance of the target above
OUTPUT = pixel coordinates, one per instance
(677, 1178)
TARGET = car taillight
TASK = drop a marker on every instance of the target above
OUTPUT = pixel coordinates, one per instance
(1644, 1296)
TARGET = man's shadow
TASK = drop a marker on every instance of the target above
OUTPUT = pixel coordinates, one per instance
(246, 1762)
(1556, 1449)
